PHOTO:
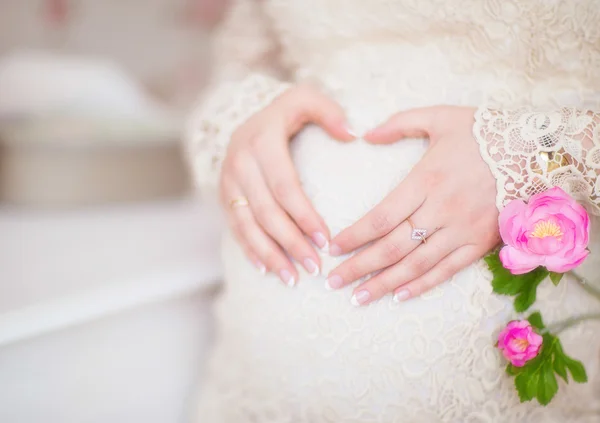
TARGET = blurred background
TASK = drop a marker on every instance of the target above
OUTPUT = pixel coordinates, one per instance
(108, 261)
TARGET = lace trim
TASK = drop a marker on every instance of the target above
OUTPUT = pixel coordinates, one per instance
(220, 112)
(529, 152)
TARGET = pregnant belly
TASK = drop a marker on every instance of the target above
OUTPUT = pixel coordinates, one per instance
(346, 180)
(304, 340)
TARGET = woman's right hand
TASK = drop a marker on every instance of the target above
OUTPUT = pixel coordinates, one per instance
(258, 167)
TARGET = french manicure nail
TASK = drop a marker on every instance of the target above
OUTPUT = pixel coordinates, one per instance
(261, 267)
(360, 298)
(287, 278)
(333, 282)
(352, 132)
(334, 250)
(311, 267)
(401, 296)
(320, 240)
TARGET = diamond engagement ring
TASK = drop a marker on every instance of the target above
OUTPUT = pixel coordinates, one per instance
(239, 202)
(418, 234)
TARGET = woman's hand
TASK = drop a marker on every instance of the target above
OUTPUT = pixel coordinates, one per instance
(259, 173)
(450, 193)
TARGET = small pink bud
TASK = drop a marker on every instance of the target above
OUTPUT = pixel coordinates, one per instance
(519, 343)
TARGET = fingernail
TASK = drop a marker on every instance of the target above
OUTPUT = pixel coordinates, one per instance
(333, 282)
(320, 240)
(334, 250)
(401, 296)
(311, 267)
(352, 131)
(287, 278)
(360, 298)
(261, 267)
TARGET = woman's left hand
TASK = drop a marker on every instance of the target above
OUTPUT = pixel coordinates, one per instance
(450, 193)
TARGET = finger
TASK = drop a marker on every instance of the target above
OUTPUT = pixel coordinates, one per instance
(316, 107)
(415, 123)
(443, 271)
(248, 249)
(278, 170)
(260, 266)
(257, 245)
(382, 219)
(273, 219)
(384, 253)
(415, 264)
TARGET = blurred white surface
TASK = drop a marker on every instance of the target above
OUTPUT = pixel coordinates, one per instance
(37, 83)
(139, 366)
(104, 313)
(154, 39)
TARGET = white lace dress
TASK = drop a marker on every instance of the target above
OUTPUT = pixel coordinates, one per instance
(307, 355)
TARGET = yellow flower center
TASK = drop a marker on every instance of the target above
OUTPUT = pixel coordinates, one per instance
(521, 344)
(546, 228)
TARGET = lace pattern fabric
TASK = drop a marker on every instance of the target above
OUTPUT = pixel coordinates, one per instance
(529, 152)
(218, 115)
(307, 356)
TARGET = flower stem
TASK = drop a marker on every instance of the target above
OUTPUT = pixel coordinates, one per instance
(558, 327)
(586, 286)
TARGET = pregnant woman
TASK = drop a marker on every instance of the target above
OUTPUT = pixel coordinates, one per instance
(335, 128)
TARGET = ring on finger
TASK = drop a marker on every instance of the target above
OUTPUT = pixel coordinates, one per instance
(239, 202)
(417, 234)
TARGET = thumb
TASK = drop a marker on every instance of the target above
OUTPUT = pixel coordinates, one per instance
(316, 107)
(415, 123)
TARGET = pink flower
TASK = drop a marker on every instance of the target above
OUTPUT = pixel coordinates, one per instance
(552, 230)
(519, 343)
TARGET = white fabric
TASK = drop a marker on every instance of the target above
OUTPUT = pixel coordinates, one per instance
(227, 109)
(530, 152)
(307, 355)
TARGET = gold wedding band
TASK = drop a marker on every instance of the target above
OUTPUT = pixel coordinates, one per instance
(417, 234)
(239, 202)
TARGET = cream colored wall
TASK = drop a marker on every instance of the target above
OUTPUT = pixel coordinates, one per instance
(161, 41)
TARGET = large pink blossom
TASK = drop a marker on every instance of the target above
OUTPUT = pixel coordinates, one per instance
(552, 230)
(519, 343)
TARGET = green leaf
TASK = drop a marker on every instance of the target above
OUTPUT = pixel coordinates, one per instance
(528, 293)
(576, 369)
(527, 377)
(536, 320)
(522, 385)
(533, 385)
(555, 277)
(523, 286)
(549, 345)
(503, 281)
(560, 367)
(547, 385)
(513, 370)
(559, 363)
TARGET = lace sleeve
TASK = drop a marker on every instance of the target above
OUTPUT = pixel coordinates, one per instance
(529, 152)
(246, 77)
